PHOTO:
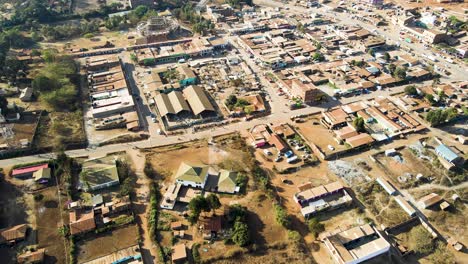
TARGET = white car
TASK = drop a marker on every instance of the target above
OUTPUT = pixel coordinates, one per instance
(330, 147)
(154, 119)
(267, 152)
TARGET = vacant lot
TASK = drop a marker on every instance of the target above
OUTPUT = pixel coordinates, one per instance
(22, 129)
(49, 218)
(103, 244)
(60, 128)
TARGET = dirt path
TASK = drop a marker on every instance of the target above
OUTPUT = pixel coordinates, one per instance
(141, 206)
(441, 187)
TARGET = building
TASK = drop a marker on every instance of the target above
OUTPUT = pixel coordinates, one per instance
(26, 172)
(227, 182)
(26, 94)
(430, 200)
(374, 2)
(192, 175)
(433, 36)
(259, 135)
(405, 205)
(198, 101)
(179, 253)
(362, 139)
(386, 186)
(314, 200)
(355, 245)
(81, 222)
(32, 257)
(99, 173)
(279, 143)
(334, 118)
(11, 235)
(448, 155)
(43, 175)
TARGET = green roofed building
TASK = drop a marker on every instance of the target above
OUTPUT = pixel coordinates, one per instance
(227, 182)
(193, 176)
(99, 173)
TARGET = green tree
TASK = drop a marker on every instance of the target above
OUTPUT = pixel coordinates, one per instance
(213, 201)
(231, 101)
(411, 90)
(197, 205)
(171, 75)
(282, 216)
(141, 10)
(420, 240)
(358, 124)
(318, 56)
(371, 52)
(400, 73)
(240, 234)
(315, 227)
(236, 212)
(391, 68)
(430, 99)
(387, 56)
(300, 27)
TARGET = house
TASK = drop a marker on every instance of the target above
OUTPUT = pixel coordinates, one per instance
(430, 200)
(128, 255)
(260, 135)
(179, 253)
(359, 140)
(449, 156)
(32, 257)
(279, 143)
(191, 175)
(346, 132)
(11, 235)
(42, 175)
(334, 118)
(81, 222)
(186, 76)
(25, 172)
(355, 245)
(405, 205)
(26, 94)
(211, 226)
(227, 182)
(99, 173)
(177, 225)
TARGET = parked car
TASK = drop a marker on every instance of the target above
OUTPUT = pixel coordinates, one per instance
(330, 147)
(267, 152)
(289, 154)
(278, 159)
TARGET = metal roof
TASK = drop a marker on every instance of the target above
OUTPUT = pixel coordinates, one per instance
(446, 153)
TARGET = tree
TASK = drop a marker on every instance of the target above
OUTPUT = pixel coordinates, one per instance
(141, 10)
(134, 57)
(420, 240)
(391, 68)
(171, 74)
(315, 227)
(411, 90)
(430, 99)
(213, 201)
(387, 56)
(236, 212)
(241, 180)
(3, 104)
(318, 56)
(358, 124)
(240, 234)
(197, 205)
(371, 52)
(300, 27)
(231, 101)
(400, 73)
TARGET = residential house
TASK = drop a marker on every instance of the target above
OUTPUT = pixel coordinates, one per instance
(81, 221)
(279, 143)
(448, 155)
(32, 257)
(430, 200)
(25, 172)
(26, 94)
(192, 175)
(42, 175)
(227, 182)
(99, 173)
(11, 235)
(179, 253)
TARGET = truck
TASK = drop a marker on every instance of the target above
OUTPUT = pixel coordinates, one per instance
(292, 159)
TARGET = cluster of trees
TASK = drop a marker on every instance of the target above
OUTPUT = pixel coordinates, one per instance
(199, 24)
(359, 63)
(420, 240)
(233, 102)
(53, 82)
(201, 204)
(240, 230)
(439, 116)
(397, 72)
(456, 25)
(153, 214)
(67, 31)
(126, 177)
(12, 38)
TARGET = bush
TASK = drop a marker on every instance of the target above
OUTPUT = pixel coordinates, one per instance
(282, 216)
(241, 235)
(38, 197)
(420, 240)
(294, 236)
(88, 35)
(411, 90)
(196, 254)
(315, 227)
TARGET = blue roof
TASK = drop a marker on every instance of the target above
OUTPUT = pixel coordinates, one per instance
(446, 153)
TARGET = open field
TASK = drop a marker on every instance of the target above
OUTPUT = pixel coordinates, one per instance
(63, 127)
(106, 243)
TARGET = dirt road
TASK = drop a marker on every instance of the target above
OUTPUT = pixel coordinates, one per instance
(141, 207)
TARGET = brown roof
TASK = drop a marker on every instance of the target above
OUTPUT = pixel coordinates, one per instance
(430, 199)
(32, 257)
(83, 222)
(197, 99)
(176, 225)
(279, 143)
(359, 140)
(212, 224)
(179, 252)
(13, 233)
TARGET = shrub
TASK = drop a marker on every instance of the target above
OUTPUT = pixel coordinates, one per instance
(282, 216)
(420, 240)
(315, 227)
(240, 234)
